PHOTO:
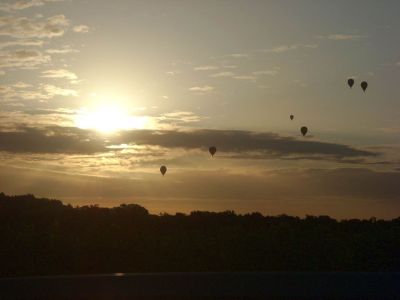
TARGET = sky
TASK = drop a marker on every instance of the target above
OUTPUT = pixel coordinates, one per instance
(96, 95)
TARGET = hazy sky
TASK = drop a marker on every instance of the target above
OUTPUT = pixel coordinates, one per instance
(95, 95)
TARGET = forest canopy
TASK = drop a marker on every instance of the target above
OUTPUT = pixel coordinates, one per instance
(46, 237)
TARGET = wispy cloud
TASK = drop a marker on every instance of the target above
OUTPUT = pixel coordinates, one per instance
(285, 48)
(22, 43)
(53, 90)
(205, 68)
(238, 55)
(179, 118)
(245, 77)
(20, 5)
(223, 74)
(59, 73)
(266, 72)
(24, 91)
(23, 59)
(21, 85)
(12, 120)
(172, 73)
(342, 37)
(23, 27)
(64, 50)
(81, 29)
(201, 89)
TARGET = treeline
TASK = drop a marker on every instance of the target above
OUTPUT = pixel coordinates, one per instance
(44, 237)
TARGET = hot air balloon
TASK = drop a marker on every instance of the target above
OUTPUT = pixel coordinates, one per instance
(212, 150)
(364, 85)
(163, 170)
(304, 130)
(350, 82)
(291, 117)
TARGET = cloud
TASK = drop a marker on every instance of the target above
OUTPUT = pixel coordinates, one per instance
(20, 5)
(59, 73)
(266, 72)
(238, 55)
(22, 43)
(172, 73)
(9, 93)
(63, 50)
(47, 111)
(23, 27)
(21, 85)
(342, 37)
(22, 59)
(179, 118)
(201, 89)
(205, 68)
(245, 77)
(268, 144)
(253, 75)
(11, 120)
(53, 90)
(265, 145)
(25, 91)
(81, 29)
(35, 140)
(285, 48)
(223, 74)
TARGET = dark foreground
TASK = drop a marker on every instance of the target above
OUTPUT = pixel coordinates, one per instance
(44, 237)
(272, 285)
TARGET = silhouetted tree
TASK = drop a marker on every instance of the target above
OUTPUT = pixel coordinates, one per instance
(41, 236)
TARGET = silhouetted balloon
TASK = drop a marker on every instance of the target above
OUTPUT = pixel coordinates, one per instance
(350, 82)
(364, 85)
(163, 170)
(212, 150)
(304, 130)
(291, 117)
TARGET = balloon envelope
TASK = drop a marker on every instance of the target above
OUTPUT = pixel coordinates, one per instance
(291, 117)
(364, 85)
(304, 130)
(212, 150)
(350, 82)
(163, 170)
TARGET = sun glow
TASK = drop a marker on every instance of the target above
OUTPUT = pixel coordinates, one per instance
(109, 118)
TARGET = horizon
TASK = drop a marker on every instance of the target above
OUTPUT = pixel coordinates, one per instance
(96, 96)
(189, 213)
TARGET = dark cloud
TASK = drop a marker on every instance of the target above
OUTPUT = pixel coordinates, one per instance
(59, 111)
(269, 144)
(51, 140)
(265, 145)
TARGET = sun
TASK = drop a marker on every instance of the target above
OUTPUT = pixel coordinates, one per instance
(109, 118)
